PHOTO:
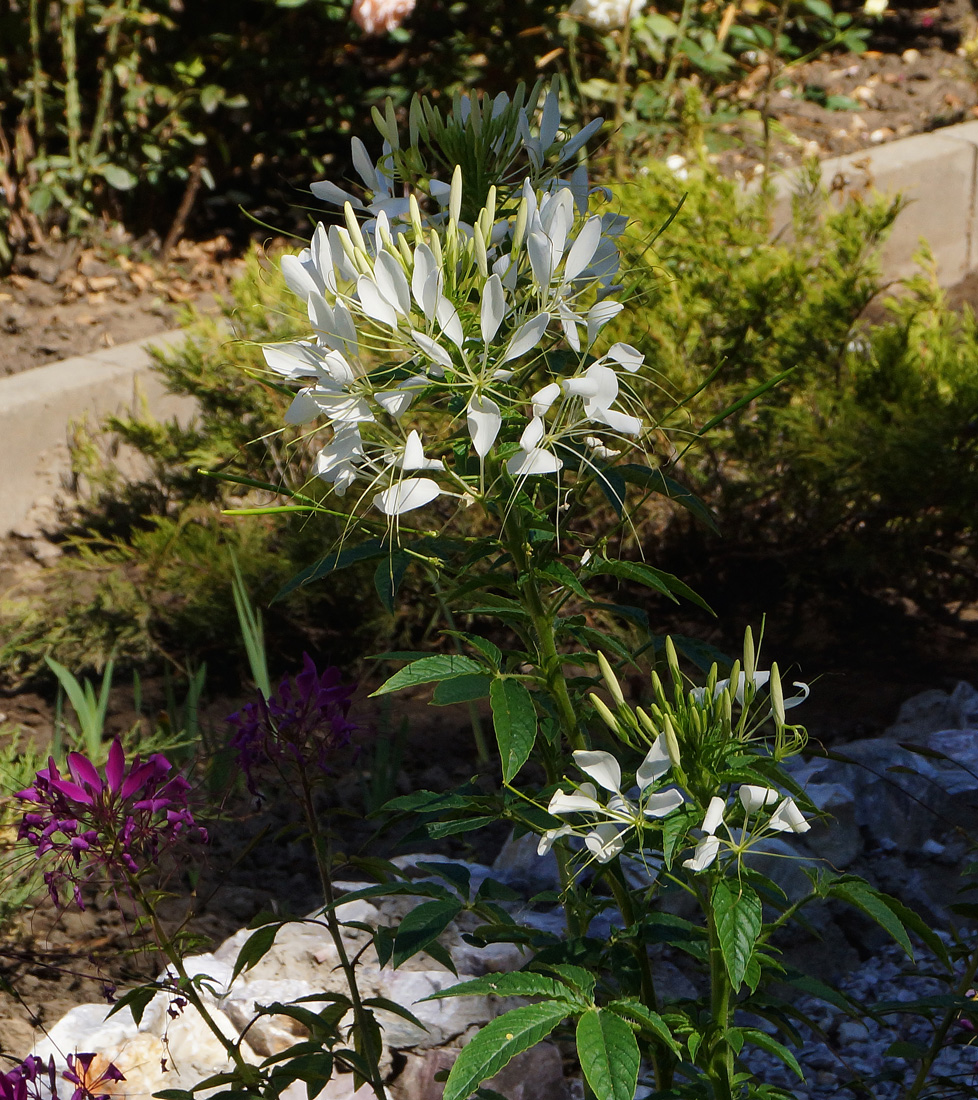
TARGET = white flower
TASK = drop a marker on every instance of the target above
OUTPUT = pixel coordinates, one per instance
(753, 797)
(759, 680)
(875, 7)
(607, 838)
(607, 15)
(676, 163)
(788, 818)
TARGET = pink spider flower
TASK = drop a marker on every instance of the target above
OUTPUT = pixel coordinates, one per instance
(35, 1079)
(119, 822)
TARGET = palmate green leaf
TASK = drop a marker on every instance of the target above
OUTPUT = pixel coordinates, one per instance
(496, 1044)
(609, 1056)
(861, 895)
(737, 911)
(428, 669)
(492, 653)
(422, 926)
(514, 720)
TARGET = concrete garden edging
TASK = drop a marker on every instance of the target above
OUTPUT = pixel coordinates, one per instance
(38, 405)
(936, 172)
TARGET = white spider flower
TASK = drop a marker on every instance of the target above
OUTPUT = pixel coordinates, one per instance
(606, 838)
(759, 680)
(786, 818)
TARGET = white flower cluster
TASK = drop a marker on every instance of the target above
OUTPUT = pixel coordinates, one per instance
(622, 815)
(607, 15)
(424, 311)
(786, 818)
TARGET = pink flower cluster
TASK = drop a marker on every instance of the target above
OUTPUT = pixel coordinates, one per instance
(118, 823)
(35, 1079)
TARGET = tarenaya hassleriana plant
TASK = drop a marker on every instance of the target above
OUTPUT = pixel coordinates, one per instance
(470, 420)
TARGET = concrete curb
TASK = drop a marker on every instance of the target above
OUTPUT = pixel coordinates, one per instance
(37, 406)
(936, 172)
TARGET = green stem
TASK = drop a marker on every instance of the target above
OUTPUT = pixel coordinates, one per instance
(621, 84)
(940, 1033)
(119, 11)
(721, 1065)
(670, 78)
(69, 54)
(186, 986)
(478, 735)
(323, 865)
(38, 78)
(549, 662)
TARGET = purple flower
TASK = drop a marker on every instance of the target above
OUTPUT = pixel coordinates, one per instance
(303, 722)
(34, 1079)
(119, 822)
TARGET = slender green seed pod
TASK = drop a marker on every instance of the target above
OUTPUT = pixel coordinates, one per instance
(777, 695)
(750, 657)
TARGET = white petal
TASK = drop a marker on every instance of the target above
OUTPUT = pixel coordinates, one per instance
(795, 700)
(541, 252)
(342, 407)
(605, 841)
(484, 420)
(544, 398)
(448, 318)
(424, 280)
(493, 308)
(530, 463)
(412, 492)
(655, 765)
(392, 282)
(704, 855)
(548, 838)
(582, 387)
(329, 192)
(753, 797)
(435, 352)
(394, 402)
(413, 458)
(618, 421)
(298, 278)
(364, 165)
(563, 803)
(532, 433)
(714, 815)
(788, 818)
(606, 391)
(602, 767)
(626, 356)
(374, 304)
(303, 409)
(582, 250)
(526, 337)
(663, 802)
(291, 360)
(599, 315)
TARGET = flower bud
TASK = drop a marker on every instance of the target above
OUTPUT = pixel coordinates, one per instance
(672, 660)
(353, 227)
(608, 674)
(455, 195)
(604, 713)
(777, 695)
(672, 741)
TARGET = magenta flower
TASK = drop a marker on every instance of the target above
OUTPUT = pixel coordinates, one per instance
(303, 723)
(118, 823)
(34, 1079)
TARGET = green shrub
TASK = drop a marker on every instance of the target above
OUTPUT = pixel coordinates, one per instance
(860, 467)
(146, 576)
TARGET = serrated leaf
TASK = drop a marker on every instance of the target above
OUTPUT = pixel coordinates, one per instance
(496, 1044)
(439, 829)
(608, 1052)
(388, 577)
(579, 979)
(772, 1046)
(424, 924)
(255, 947)
(520, 983)
(339, 559)
(388, 1005)
(635, 1010)
(656, 579)
(655, 481)
(514, 720)
(557, 571)
(862, 896)
(428, 669)
(135, 1000)
(462, 689)
(737, 911)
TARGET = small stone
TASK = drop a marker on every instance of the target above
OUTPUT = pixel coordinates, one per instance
(880, 135)
(908, 57)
